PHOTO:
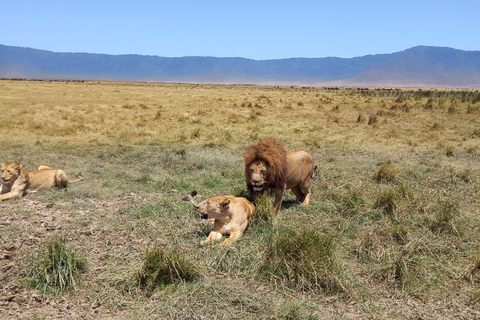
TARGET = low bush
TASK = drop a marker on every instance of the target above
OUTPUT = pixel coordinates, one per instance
(303, 260)
(161, 268)
(386, 173)
(54, 268)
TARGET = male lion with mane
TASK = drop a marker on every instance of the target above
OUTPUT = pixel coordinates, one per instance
(16, 181)
(232, 216)
(269, 167)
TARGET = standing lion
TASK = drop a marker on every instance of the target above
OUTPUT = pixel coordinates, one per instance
(269, 167)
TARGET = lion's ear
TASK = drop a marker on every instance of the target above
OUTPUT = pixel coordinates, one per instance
(223, 204)
(4, 165)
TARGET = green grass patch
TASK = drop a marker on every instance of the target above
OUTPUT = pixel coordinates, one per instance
(161, 268)
(303, 260)
(55, 268)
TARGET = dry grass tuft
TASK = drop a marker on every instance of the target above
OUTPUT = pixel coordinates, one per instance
(55, 268)
(303, 260)
(386, 173)
(161, 268)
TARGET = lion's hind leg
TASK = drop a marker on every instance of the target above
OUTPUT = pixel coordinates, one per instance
(61, 179)
(297, 190)
(305, 189)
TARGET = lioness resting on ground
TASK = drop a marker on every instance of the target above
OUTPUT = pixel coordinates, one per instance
(231, 215)
(16, 181)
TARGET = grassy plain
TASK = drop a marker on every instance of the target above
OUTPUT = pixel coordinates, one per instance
(395, 209)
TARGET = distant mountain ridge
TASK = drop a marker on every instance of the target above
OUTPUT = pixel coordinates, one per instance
(420, 66)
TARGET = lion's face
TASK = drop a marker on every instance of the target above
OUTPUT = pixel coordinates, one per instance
(213, 207)
(258, 175)
(10, 172)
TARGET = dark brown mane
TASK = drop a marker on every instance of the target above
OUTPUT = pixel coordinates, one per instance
(273, 153)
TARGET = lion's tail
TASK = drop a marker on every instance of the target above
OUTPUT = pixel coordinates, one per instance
(79, 178)
(314, 172)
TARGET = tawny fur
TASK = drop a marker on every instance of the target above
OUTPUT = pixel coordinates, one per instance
(21, 182)
(273, 153)
(269, 167)
(15, 181)
(232, 216)
(46, 178)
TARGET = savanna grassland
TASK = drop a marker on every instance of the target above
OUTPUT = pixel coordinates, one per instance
(391, 230)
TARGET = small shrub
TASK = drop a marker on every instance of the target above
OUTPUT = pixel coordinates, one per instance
(406, 108)
(403, 270)
(372, 119)
(360, 118)
(264, 211)
(429, 104)
(195, 133)
(475, 297)
(444, 217)
(449, 151)
(472, 150)
(351, 203)
(302, 260)
(161, 268)
(386, 173)
(437, 126)
(465, 175)
(472, 270)
(254, 115)
(476, 133)
(452, 109)
(471, 109)
(386, 201)
(55, 268)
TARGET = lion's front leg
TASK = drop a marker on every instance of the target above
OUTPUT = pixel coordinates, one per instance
(13, 194)
(234, 236)
(277, 204)
(251, 193)
(213, 236)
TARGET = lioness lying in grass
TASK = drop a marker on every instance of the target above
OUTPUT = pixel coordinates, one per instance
(231, 215)
(16, 181)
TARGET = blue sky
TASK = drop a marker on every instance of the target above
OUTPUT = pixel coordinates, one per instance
(251, 29)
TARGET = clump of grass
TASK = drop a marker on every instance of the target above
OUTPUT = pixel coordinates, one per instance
(360, 118)
(302, 260)
(386, 202)
(429, 104)
(402, 270)
(472, 270)
(437, 126)
(372, 120)
(449, 151)
(161, 268)
(264, 211)
(386, 173)
(351, 203)
(444, 217)
(476, 133)
(55, 268)
(406, 108)
(472, 109)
